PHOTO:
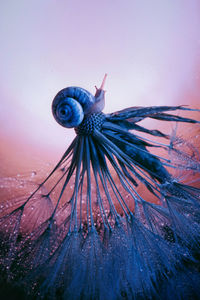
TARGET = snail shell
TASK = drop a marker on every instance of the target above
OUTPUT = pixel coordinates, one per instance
(72, 104)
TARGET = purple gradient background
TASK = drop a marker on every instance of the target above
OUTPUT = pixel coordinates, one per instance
(150, 50)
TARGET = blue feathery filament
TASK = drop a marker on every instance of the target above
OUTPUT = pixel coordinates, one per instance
(96, 234)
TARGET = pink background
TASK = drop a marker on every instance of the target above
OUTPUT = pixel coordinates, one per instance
(150, 50)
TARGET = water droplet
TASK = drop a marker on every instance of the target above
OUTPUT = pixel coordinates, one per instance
(33, 173)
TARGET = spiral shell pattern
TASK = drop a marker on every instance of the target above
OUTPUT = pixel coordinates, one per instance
(70, 106)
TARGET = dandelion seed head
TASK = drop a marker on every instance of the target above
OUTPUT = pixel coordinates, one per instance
(111, 208)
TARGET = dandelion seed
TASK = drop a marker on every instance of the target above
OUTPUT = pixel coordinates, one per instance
(110, 221)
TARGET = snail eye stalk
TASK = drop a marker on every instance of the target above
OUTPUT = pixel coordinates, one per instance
(112, 220)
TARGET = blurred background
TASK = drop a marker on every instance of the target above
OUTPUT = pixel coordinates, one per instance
(150, 50)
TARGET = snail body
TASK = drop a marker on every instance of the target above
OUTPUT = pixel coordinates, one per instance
(72, 104)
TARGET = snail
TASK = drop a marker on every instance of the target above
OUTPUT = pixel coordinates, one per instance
(72, 104)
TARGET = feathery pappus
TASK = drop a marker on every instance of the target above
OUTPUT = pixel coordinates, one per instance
(116, 218)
